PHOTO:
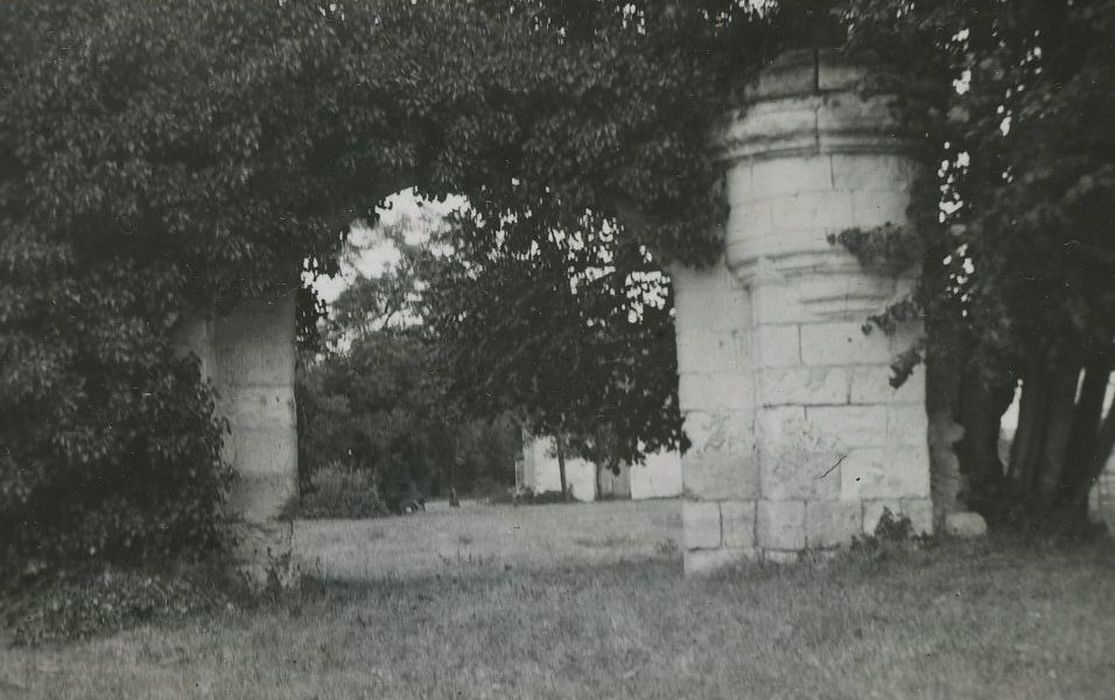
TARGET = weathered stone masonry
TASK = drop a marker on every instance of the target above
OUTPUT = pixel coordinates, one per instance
(249, 356)
(798, 439)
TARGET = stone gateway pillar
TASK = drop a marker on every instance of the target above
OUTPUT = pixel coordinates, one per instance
(249, 356)
(798, 440)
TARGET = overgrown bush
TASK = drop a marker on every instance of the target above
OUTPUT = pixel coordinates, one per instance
(379, 406)
(121, 465)
(892, 532)
(93, 602)
(338, 492)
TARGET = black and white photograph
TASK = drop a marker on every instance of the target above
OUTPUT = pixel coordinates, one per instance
(557, 349)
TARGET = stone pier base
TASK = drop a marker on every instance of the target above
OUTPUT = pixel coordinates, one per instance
(264, 553)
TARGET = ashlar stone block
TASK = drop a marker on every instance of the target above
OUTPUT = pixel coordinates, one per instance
(907, 424)
(716, 390)
(849, 426)
(875, 208)
(781, 524)
(886, 472)
(842, 343)
(779, 424)
(737, 519)
(804, 386)
(793, 472)
(773, 304)
(819, 210)
(720, 474)
(708, 300)
(871, 384)
(704, 562)
(832, 523)
(791, 177)
(842, 124)
(866, 172)
(738, 187)
(724, 431)
(751, 218)
(701, 521)
(701, 352)
(777, 346)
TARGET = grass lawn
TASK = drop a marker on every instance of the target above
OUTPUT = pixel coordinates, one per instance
(961, 620)
(532, 537)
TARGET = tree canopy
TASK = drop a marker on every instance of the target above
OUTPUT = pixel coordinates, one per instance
(1020, 275)
(571, 330)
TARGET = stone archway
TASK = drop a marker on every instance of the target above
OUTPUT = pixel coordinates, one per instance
(798, 439)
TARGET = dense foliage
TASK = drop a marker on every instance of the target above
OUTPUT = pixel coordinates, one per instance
(156, 157)
(84, 604)
(571, 331)
(379, 407)
(1020, 273)
(372, 397)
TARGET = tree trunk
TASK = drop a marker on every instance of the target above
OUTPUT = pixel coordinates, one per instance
(559, 441)
(1033, 418)
(1061, 445)
(1062, 408)
(1105, 443)
(980, 414)
(1084, 446)
(943, 372)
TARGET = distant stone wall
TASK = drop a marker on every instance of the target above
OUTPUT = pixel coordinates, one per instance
(1101, 503)
(798, 439)
(658, 477)
(540, 470)
(249, 356)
